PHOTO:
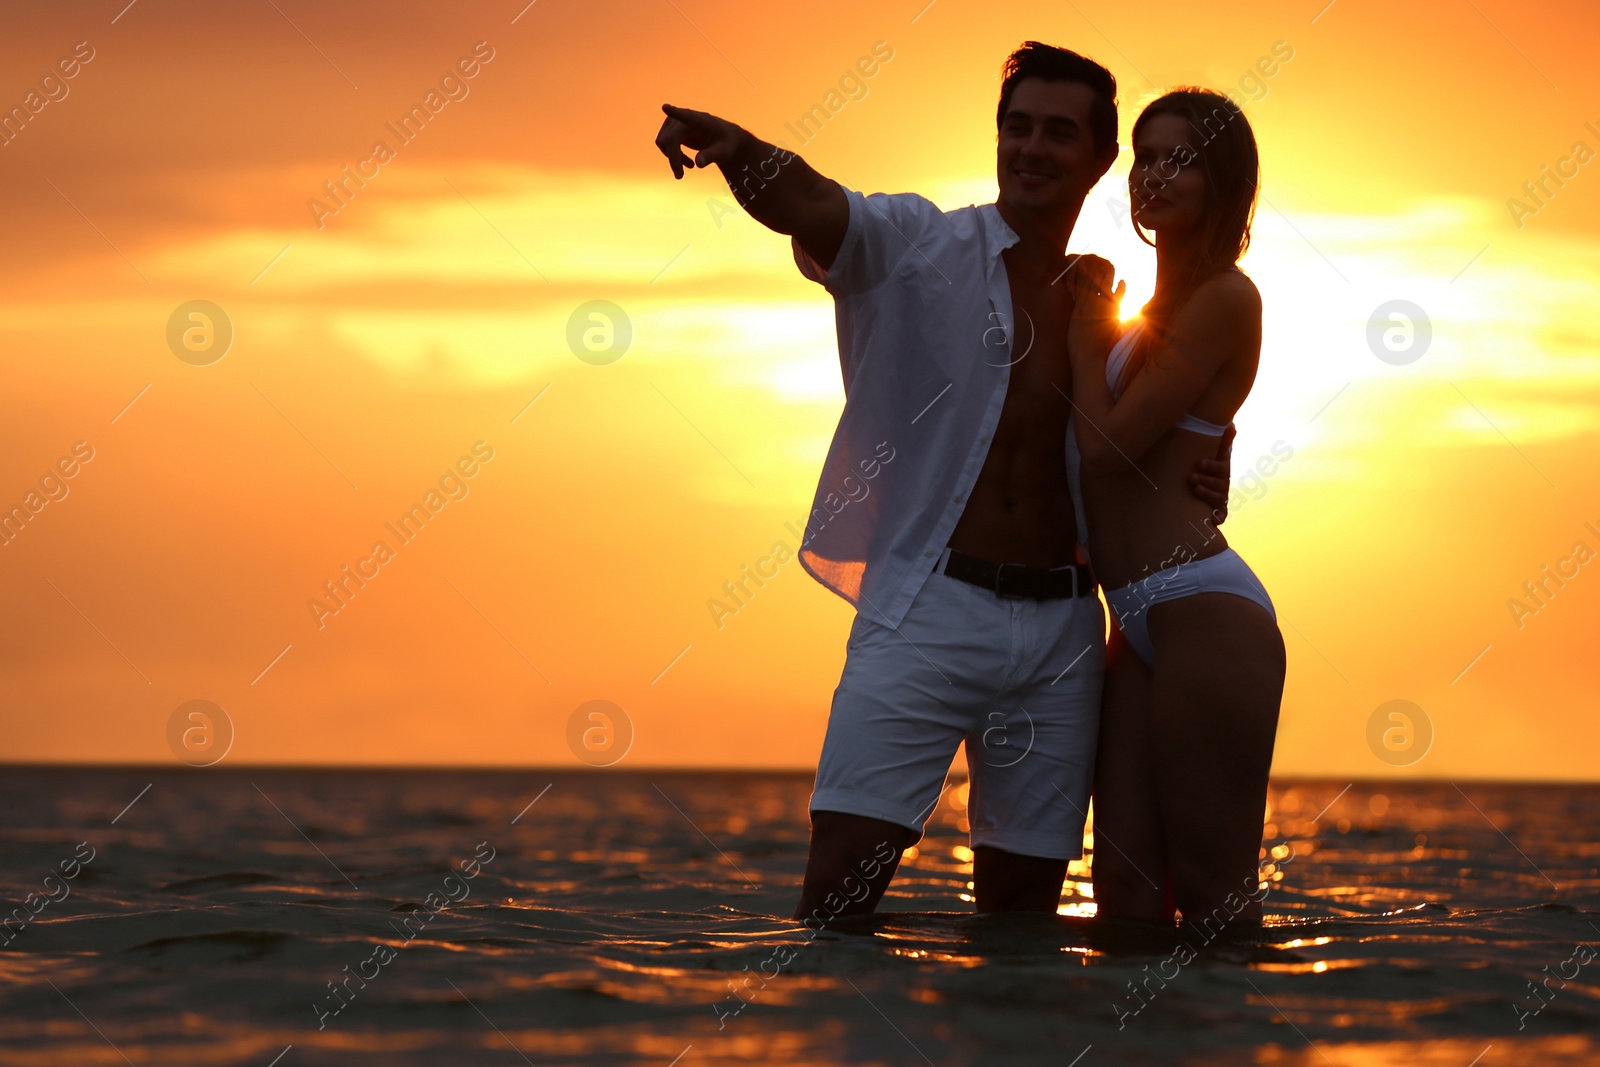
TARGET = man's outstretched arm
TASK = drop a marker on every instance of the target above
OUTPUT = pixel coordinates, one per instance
(776, 187)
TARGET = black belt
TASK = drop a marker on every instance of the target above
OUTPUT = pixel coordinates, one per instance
(1016, 580)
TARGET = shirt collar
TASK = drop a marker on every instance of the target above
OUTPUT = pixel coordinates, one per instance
(998, 235)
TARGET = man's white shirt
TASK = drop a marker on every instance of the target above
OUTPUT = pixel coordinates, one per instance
(923, 310)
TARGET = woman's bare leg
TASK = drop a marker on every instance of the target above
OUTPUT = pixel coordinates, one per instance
(1214, 716)
(1130, 877)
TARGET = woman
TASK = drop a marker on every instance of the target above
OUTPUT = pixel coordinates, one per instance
(1195, 666)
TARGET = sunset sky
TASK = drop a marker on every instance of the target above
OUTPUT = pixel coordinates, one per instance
(431, 312)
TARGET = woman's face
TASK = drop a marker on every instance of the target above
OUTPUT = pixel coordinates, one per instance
(1166, 187)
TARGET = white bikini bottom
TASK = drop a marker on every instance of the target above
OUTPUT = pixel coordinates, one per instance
(1224, 572)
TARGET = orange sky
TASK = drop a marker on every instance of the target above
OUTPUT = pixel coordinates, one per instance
(374, 352)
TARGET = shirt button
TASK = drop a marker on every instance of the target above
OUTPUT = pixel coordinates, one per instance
(984, 439)
(958, 498)
(928, 553)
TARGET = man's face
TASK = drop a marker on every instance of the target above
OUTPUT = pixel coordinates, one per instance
(1046, 159)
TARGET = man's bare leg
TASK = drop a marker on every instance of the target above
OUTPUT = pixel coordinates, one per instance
(852, 860)
(1007, 881)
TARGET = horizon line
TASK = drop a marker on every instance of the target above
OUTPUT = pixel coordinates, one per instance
(707, 769)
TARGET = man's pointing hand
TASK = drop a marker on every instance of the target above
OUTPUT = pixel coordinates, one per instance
(714, 140)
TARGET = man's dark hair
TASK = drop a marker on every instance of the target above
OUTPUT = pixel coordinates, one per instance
(1035, 60)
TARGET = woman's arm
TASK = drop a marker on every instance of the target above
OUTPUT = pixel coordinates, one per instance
(1221, 319)
(1091, 335)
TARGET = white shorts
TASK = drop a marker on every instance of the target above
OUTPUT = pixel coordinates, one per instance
(1018, 680)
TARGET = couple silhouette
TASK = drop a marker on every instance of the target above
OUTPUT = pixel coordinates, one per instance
(1045, 454)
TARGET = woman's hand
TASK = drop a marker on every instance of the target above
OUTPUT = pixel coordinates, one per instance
(1096, 309)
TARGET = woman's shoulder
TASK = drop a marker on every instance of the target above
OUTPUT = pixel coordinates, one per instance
(1231, 288)
(1228, 299)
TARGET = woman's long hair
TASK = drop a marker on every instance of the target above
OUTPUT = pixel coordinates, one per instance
(1224, 148)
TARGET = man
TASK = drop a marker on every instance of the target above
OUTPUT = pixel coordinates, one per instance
(947, 510)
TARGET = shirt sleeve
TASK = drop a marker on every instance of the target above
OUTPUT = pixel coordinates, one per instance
(882, 229)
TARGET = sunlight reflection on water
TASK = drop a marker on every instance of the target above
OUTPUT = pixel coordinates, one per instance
(610, 928)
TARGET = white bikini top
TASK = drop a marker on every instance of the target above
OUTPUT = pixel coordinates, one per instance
(1118, 359)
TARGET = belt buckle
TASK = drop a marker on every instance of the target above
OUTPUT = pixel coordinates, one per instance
(999, 576)
(1073, 567)
(1078, 587)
